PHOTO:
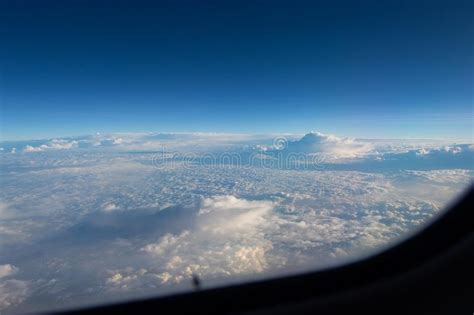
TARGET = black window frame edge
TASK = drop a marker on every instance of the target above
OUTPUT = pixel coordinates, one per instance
(430, 272)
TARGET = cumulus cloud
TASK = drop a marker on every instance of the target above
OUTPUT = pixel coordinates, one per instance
(7, 270)
(316, 142)
(236, 237)
(55, 144)
(30, 148)
(227, 239)
(109, 207)
(108, 141)
(228, 213)
(13, 292)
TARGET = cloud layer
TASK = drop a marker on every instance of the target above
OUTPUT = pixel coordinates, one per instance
(111, 223)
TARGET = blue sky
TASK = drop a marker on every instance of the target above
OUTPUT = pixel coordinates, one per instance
(366, 69)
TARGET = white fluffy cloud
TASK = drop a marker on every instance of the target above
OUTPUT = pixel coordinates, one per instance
(30, 148)
(235, 236)
(7, 270)
(228, 213)
(109, 207)
(316, 142)
(12, 292)
(227, 239)
(55, 144)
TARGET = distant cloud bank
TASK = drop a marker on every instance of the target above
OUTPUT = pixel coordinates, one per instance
(313, 148)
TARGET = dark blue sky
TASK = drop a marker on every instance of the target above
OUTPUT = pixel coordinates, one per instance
(359, 68)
